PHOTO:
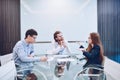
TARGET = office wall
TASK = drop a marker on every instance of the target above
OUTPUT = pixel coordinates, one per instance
(109, 26)
(75, 18)
(9, 25)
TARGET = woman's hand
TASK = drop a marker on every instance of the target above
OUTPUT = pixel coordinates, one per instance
(83, 49)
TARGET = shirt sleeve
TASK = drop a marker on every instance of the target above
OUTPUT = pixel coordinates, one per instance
(95, 52)
(32, 51)
(24, 57)
(56, 48)
(67, 47)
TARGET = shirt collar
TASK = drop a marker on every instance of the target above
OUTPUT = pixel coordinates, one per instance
(26, 44)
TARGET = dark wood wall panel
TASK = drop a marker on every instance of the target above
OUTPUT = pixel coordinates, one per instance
(9, 25)
(109, 27)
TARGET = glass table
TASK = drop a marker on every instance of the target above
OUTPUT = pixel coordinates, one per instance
(48, 70)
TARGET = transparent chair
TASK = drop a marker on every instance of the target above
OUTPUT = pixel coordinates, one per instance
(92, 72)
(35, 73)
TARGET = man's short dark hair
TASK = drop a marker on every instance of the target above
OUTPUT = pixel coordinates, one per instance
(55, 35)
(30, 32)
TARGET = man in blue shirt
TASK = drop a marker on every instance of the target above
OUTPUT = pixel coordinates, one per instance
(23, 52)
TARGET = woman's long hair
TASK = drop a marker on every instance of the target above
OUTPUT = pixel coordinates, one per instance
(95, 37)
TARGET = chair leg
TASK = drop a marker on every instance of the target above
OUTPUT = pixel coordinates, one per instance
(19, 78)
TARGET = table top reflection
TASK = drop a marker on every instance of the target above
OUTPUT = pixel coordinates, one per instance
(49, 69)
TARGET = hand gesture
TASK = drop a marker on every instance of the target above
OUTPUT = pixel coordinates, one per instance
(83, 49)
(43, 58)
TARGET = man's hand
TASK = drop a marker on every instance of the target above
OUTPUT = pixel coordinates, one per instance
(30, 55)
(62, 43)
(43, 58)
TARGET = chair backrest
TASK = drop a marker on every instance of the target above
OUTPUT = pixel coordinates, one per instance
(5, 58)
(8, 71)
(92, 72)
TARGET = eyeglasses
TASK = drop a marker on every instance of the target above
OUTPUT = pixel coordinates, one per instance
(34, 37)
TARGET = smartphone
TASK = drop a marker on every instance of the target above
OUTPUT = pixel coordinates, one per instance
(81, 46)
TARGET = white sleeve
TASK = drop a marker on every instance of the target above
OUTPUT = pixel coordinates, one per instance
(56, 48)
(67, 47)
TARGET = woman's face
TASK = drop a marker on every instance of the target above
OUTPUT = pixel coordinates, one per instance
(89, 40)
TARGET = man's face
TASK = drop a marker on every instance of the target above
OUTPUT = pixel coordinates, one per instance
(59, 37)
(32, 38)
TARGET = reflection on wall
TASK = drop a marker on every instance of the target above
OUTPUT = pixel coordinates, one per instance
(75, 18)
